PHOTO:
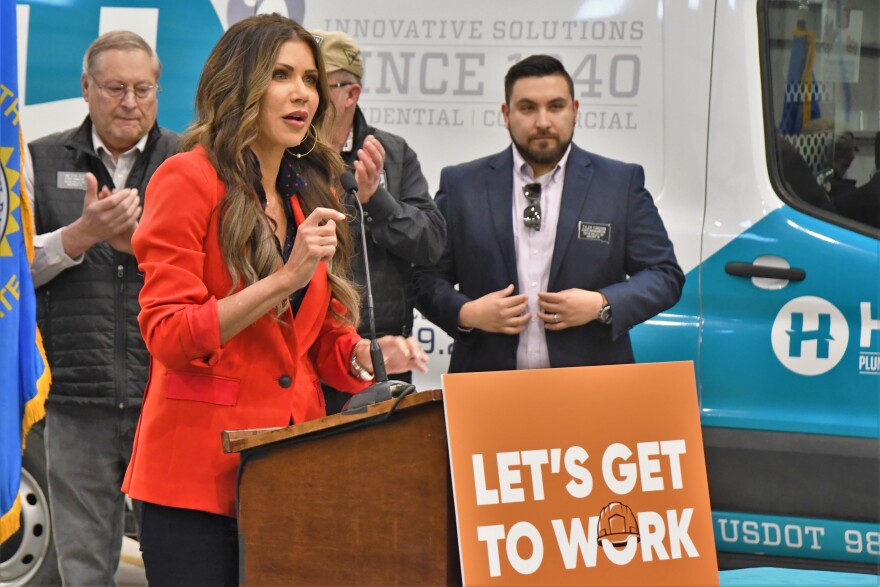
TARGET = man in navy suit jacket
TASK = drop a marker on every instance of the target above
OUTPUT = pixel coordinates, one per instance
(556, 252)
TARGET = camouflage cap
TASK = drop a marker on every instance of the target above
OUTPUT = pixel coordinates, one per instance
(339, 51)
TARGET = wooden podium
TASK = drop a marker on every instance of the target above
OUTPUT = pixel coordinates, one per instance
(363, 499)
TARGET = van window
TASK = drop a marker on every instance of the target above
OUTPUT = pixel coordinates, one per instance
(821, 61)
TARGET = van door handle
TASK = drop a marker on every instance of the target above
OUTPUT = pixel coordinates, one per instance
(740, 269)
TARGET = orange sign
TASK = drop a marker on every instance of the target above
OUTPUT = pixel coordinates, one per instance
(580, 476)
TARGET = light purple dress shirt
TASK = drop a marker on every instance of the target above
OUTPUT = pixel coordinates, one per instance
(534, 250)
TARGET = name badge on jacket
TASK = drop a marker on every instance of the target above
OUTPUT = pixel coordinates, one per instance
(591, 231)
(71, 180)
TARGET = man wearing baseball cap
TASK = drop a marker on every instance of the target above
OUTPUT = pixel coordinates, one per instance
(404, 226)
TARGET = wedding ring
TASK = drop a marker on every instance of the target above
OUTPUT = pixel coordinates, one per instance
(555, 318)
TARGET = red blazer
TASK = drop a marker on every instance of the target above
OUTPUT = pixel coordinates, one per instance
(265, 376)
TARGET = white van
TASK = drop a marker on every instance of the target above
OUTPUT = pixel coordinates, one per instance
(781, 310)
(756, 122)
(775, 216)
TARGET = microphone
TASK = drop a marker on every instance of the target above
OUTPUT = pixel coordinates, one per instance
(383, 389)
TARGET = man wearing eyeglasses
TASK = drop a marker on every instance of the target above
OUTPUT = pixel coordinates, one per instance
(556, 252)
(87, 185)
(402, 221)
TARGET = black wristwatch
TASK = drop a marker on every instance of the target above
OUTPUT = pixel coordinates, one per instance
(605, 314)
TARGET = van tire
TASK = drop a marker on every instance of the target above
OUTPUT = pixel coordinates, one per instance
(28, 557)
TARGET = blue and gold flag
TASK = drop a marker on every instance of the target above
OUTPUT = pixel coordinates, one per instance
(801, 90)
(24, 373)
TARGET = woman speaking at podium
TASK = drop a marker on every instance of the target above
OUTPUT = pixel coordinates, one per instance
(245, 307)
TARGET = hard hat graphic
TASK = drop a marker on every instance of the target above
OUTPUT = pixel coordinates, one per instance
(617, 523)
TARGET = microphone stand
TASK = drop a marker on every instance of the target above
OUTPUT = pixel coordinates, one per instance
(383, 389)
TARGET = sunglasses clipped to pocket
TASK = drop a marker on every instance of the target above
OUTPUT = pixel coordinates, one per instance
(532, 213)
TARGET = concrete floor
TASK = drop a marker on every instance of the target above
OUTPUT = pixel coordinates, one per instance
(131, 567)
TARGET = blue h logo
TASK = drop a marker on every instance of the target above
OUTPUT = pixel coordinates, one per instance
(797, 335)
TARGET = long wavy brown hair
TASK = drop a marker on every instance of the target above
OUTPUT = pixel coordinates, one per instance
(233, 82)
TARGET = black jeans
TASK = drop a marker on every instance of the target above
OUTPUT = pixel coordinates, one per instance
(188, 548)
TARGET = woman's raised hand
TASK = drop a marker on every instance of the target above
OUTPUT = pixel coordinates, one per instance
(315, 242)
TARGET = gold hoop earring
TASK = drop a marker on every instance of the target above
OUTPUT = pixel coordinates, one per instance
(312, 132)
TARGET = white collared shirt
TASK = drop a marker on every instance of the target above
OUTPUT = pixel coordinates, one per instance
(348, 146)
(121, 168)
(534, 251)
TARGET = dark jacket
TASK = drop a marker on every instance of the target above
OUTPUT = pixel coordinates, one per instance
(862, 203)
(88, 313)
(403, 226)
(633, 264)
